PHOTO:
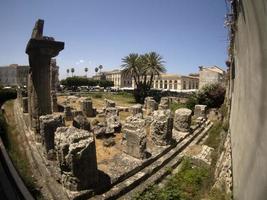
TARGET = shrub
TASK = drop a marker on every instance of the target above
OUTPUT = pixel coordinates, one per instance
(211, 95)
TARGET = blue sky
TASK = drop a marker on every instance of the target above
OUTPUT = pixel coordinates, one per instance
(187, 33)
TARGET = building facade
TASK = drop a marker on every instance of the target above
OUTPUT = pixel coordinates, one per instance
(211, 74)
(171, 82)
(116, 77)
(13, 75)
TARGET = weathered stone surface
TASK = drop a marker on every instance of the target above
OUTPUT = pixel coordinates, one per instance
(111, 111)
(136, 109)
(182, 120)
(87, 108)
(201, 154)
(48, 126)
(112, 120)
(76, 153)
(150, 105)
(40, 50)
(110, 103)
(223, 170)
(134, 137)
(25, 104)
(161, 127)
(68, 113)
(214, 115)
(200, 111)
(81, 122)
(108, 142)
(146, 101)
(54, 101)
(164, 103)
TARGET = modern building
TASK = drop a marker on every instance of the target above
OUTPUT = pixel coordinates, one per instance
(170, 82)
(211, 74)
(14, 75)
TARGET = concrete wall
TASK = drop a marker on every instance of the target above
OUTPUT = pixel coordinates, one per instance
(248, 123)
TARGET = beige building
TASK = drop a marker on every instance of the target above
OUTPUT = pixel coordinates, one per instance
(14, 75)
(171, 82)
(175, 82)
(211, 74)
(117, 78)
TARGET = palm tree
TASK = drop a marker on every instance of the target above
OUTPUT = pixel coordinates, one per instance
(68, 71)
(154, 66)
(72, 71)
(100, 67)
(86, 70)
(96, 70)
(143, 69)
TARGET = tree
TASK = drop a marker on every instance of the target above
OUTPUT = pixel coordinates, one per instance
(100, 68)
(72, 71)
(143, 69)
(86, 70)
(68, 71)
(96, 70)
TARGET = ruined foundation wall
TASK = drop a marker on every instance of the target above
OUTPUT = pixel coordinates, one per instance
(248, 119)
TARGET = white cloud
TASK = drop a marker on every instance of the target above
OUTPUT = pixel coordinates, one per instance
(81, 61)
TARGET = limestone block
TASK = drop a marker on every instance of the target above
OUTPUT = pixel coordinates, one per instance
(25, 104)
(146, 101)
(182, 119)
(161, 127)
(134, 137)
(67, 113)
(151, 105)
(87, 108)
(110, 103)
(76, 153)
(81, 122)
(164, 103)
(200, 111)
(111, 111)
(136, 109)
(48, 126)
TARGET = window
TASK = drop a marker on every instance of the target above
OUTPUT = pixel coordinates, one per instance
(165, 84)
(175, 85)
(184, 85)
(170, 84)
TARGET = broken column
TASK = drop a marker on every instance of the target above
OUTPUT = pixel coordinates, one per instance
(134, 137)
(200, 111)
(110, 103)
(87, 108)
(112, 120)
(40, 50)
(161, 127)
(150, 105)
(67, 113)
(182, 120)
(54, 101)
(25, 104)
(81, 122)
(48, 126)
(76, 154)
(164, 103)
(136, 109)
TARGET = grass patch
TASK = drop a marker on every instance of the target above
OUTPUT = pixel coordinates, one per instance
(188, 184)
(12, 140)
(175, 105)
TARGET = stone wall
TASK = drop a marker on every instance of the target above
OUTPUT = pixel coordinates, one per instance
(248, 118)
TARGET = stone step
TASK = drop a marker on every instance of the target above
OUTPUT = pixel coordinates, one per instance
(164, 171)
(133, 181)
(151, 160)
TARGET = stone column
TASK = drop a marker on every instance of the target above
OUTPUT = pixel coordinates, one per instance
(40, 50)
(87, 108)
(200, 111)
(182, 120)
(164, 103)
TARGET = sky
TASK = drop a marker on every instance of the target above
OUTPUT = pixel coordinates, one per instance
(186, 33)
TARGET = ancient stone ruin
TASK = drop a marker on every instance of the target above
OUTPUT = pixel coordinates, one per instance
(161, 127)
(87, 108)
(134, 137)
(48, 126)
(40, 50)
(150, 105)
(200, 111)
(182, 120)
(76, 153)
